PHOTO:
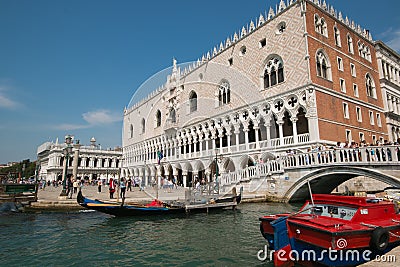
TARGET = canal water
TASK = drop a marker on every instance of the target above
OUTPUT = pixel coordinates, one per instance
(86, 238)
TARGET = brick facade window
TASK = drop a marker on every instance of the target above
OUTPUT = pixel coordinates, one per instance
(350, 44)
(320, 25)
(323, 66)
(370, 86)
(336, 33)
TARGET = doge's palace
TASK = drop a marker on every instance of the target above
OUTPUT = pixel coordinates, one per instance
(297, 78)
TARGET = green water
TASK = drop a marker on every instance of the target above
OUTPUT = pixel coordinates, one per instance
(228, 238)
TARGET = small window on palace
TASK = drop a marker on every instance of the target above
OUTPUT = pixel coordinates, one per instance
(340, 63)
(323, 67)
(355, 90)
(131, 131)
(337, 36)
(353, 70)
(243, 50)
(224, 93)
(362, 137)
(273, 72)
(342, 85)
(348, 136)
(158, 118)
(281, 27)
(320, 25)
(359, 115)
(374, 139)
(230, 61)
(346, 110)
(378, 120)
(193, 101)
(370, 86)
(371, 118)
(363, 51)
(263, 43)
(143, 126)
(350, 44)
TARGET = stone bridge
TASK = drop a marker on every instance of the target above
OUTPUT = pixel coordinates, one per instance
(286, 178)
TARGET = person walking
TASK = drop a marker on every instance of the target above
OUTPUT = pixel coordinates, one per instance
(75, 185)
(130, 184)
(99, 184)
(122, 186)
(111, 188)
(70, 187)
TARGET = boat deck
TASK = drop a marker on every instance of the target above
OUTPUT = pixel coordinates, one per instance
(211, 206)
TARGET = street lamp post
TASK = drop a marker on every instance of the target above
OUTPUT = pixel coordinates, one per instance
(217, 160)
(67, 151)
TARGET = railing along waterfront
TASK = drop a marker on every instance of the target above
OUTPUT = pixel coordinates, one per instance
(371, 155)
(353, 156)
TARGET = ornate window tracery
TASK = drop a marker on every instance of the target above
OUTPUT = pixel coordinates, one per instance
(273, 72)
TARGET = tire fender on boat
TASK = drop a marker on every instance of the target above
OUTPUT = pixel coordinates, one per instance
(379, 239)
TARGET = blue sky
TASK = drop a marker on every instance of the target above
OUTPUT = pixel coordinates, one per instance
(70, 67)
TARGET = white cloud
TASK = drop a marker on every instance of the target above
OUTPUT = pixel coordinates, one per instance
(101, 117)
(392, 38)
(394, 42)
(6, 102)
(93, 118)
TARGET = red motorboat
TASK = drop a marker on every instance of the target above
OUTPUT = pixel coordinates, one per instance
(333, 230)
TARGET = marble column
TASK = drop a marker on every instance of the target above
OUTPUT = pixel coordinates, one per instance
(294, 123)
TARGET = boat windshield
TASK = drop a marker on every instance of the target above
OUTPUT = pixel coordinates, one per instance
(332, 211)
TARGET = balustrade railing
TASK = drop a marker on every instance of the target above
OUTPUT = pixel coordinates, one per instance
(343, 156)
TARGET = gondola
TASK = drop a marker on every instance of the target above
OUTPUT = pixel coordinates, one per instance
(157, 207)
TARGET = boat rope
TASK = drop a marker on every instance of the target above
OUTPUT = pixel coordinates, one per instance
(374, 226)
(393, 234)
(369, 225)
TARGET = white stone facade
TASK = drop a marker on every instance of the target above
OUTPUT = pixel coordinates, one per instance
(93, 162)
(231, 114)
(389, 74)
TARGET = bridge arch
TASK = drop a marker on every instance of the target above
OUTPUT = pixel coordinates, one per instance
(325, 180)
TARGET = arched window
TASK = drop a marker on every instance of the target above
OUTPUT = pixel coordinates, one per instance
(172, 115)
(320, 25)
(158, 118)
(336, 33)
(350, 44)
(131, 131)
(370, 86)
(323, 66)
(363, 51)
(317, 23)
(224, 92)
(143, 126)
(273, 72)
(193, 101)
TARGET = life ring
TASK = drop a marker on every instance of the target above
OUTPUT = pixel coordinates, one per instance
(379, 239)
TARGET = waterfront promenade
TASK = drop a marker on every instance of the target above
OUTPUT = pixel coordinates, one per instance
(48, 198)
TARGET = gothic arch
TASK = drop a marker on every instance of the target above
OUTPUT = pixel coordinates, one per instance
(323, 65)
(370, 86)
(272, 72)
(192, 101)
(246, 161)
(158, 118)
(325, 180)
